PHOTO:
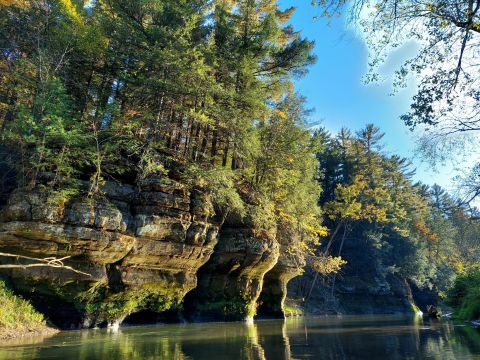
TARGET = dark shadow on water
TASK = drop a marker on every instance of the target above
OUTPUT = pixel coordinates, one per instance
(147, 317)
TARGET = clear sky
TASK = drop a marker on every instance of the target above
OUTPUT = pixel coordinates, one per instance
(334, 88)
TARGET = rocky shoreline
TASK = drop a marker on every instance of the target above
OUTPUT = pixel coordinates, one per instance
(162, 249)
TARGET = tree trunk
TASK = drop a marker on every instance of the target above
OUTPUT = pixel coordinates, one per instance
(213, 150)
(225, 151)
(339, 253)
(203, 149)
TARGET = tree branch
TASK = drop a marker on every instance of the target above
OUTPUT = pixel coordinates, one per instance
(45, 262)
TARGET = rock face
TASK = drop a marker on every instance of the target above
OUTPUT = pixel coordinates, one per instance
(145, 248)
(378, 296)
(231, 282)
(362, 286)
(142, 249)
(289, 265)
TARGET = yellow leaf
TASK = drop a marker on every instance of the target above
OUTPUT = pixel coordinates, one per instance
(72, 11)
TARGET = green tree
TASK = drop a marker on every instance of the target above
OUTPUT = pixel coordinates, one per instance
(447, 34)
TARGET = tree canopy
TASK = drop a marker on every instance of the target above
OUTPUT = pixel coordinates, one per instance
(123, 90)
(446, 105)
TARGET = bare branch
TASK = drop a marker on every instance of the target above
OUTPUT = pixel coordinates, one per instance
(45, 262)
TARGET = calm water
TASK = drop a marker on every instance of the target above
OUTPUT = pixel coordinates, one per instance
(348, 337)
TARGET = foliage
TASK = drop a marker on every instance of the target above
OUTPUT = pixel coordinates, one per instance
(465, 296)
(114, 306)
(286, 170)
(382, 223)
(447, 39)
(127, 90)
(326, 265)
(221, 184)
(17, 314)
(291, 310)
(233, 308)
(203, 91)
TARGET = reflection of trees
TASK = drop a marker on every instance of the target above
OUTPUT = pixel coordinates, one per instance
(322, 338)
(102, 345)
(470, 338)
(10, 349)
(377, 338)
(17, 354)
(452, 341)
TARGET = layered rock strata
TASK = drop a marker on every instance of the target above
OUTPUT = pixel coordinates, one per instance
(230, 283)
(289, 265)
(142, 249)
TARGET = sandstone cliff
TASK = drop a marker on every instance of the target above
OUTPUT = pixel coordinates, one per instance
(145, 247)
(290, 264)
(231, 281)
(142, 248)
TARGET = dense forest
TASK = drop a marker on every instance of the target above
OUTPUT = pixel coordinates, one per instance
(202, 92)
(117, 91)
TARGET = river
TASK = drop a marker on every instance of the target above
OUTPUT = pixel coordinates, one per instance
(332, 337)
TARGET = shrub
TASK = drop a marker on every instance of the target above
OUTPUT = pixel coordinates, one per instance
(17, 314)
(465, 296)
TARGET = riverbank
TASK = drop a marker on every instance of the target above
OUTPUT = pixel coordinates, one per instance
(9, 334)
(18, 318)
(464, 297)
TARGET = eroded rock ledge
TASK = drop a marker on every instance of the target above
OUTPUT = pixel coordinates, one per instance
(142, 248)
(231, 281)
(289, 265)
(146, 248)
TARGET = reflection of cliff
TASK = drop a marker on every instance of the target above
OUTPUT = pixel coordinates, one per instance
(328, 338)
(254, 350)
(274, 339)
(212, 341)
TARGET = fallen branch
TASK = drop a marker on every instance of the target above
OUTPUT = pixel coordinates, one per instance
(45, 262)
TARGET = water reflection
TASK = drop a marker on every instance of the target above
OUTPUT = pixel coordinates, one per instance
(350, 337)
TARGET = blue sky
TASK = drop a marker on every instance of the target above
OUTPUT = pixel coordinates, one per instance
(334, 88)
